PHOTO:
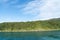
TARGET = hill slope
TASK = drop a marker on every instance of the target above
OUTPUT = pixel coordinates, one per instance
(33, 25)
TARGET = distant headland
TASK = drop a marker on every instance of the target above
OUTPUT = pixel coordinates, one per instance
(45, 25)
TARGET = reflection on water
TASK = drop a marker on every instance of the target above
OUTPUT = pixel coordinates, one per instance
(46, 35)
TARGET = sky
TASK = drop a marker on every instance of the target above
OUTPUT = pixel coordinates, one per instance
(28, 10)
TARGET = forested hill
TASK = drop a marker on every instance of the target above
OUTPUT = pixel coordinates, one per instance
(33, 25)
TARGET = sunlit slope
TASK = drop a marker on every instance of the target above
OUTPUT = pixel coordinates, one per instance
(33, 25)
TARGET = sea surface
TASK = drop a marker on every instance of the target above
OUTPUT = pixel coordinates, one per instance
(42, 35)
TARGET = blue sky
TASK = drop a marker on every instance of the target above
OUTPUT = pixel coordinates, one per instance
(28, 10)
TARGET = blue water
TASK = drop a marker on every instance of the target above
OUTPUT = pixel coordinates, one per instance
(44, 35)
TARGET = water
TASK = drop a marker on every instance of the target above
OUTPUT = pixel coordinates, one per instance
(43, 35)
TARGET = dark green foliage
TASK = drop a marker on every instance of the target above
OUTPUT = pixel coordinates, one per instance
(46, 24)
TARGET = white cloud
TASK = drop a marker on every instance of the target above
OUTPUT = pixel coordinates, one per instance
(32, 7)
(44, 9)
(51, 9)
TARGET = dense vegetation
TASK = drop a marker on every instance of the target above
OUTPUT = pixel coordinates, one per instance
(45, 24)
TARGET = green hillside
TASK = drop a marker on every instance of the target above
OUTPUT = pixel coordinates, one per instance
(33, 25)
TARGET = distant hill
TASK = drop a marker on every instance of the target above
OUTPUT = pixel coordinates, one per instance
(33, 25)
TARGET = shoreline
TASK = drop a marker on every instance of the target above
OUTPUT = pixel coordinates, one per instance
(29, 30)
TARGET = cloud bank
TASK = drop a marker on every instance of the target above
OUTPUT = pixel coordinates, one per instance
(44, 9)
